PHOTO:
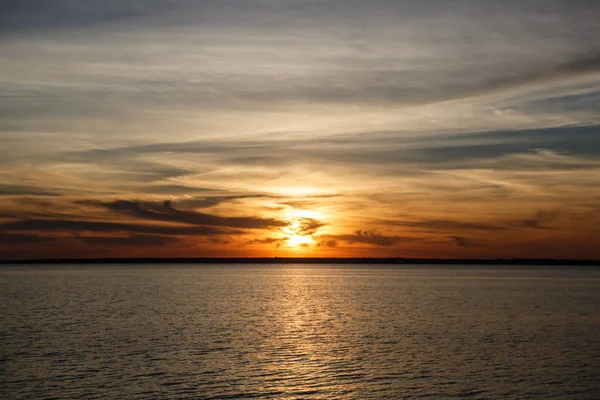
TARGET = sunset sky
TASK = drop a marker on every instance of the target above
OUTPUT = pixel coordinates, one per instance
(408, 128)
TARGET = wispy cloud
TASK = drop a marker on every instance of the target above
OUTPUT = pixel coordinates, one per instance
(152, 122)
(24, 190)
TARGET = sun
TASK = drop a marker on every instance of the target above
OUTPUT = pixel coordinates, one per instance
(299, 241)
(298, 232)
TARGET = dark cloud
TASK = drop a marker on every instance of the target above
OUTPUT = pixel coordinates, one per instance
(67, 225)
(19, 238)
(36, 15)
(25, 190)
(327, 243)
(131, 240)
(307, 226)
(443, 224)
(464, 149)
(368, 237)
(462, 241)
(62, 14)
(586, 63)
(581, 140)
(164, 211)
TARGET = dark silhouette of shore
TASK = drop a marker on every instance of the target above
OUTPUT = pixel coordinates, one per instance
(312, 260)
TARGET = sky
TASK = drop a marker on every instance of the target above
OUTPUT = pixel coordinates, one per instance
(318, 128)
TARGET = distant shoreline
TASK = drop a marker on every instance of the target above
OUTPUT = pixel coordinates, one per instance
(310, 260)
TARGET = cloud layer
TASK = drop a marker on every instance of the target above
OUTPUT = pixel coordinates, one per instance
(404, 128)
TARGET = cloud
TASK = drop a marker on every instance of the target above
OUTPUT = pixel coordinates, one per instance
(66, 225)
(443, 224)
(462, 241)
(541, 219)
(131, 240)
(23, 190)
(171, 189)
(367, 237)
(34, 15)
(271, 240)
(164, 211)
(307, 226)
(366, 148)
(327, 243)
(212, 201)
(296, 227)
(18, 238)
(459, 115)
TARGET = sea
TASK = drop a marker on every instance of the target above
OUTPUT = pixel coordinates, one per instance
(299, 332)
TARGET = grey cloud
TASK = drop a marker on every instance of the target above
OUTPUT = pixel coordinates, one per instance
(420, 86)
(395, 87)
(189, 147)
(34, 15)
(376, 148)
(462, 43)
(205, 147)
(453, 149)
(565, 103)
(63, 14)
(165, 211)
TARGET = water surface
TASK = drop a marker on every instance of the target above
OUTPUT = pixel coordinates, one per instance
(285, 331)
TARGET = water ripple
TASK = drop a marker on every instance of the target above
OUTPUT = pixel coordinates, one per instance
(288, 332)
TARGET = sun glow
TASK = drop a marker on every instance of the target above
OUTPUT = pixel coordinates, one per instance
(298, 232)
(298, 241)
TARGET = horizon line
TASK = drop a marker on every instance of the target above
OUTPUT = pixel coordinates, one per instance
(307, 260)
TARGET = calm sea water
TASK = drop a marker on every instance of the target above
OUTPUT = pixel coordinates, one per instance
(283, 331)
